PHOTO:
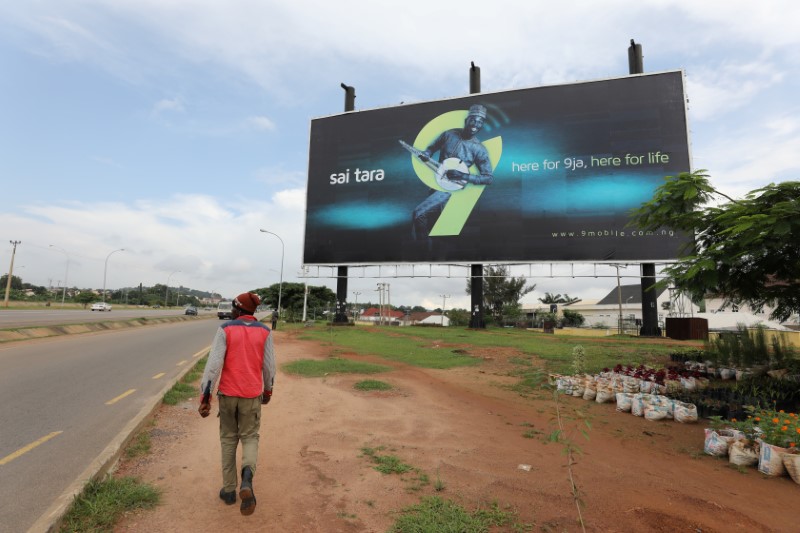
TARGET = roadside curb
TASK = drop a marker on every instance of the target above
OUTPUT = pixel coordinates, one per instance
(23, 334)
(50, 520)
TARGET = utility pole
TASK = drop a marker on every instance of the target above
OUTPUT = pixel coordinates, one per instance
(380, 303)
(355, 307)
(444, 301)
(10, 271)
(619, 299)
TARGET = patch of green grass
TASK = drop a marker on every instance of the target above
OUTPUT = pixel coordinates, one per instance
(437, 514)
(386, 464)
(403, 348)
(180, 392)
(333, 365)
(372, 384)
(186, 388)
(140, 445)
(102, 503)
(418, 346)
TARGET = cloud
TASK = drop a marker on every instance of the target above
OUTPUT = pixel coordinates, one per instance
(260, 123)
(720, 91)
(168, 105)
(212, 243)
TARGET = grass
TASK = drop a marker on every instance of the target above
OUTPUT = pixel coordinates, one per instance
(139, 446)
(333, 365)
(186, 388)
(435, 347)
(101, 504)
(372, 384)
(403, 348)
(434, 513)
(386, 464)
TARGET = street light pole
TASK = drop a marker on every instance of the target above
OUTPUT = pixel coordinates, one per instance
(280, 287)
(105, 270)
(166, 294)
(66, 273)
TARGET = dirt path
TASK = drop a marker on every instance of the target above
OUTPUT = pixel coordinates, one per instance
(460, 427)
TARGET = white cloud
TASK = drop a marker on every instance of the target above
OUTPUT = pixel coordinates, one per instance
(260, 123)
(210, 242)
(168, 104)
(720, 91)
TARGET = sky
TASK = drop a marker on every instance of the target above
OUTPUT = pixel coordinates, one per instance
(176, 129)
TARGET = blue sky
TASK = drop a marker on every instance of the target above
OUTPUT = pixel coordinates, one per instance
(176, 129)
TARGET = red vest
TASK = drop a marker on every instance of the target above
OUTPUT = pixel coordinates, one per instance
(244, 358)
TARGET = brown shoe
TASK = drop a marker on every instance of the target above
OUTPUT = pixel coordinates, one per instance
(246, 492)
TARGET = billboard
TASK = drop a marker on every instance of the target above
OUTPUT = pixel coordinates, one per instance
(531, 175)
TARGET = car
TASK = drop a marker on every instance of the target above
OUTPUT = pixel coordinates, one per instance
(191, 310)
(101, 306)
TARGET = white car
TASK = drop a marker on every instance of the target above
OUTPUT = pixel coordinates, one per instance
(101, 306)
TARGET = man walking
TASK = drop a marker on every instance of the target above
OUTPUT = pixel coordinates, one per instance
(243, 359)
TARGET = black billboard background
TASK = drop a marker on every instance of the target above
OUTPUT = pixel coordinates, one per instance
(565, 212)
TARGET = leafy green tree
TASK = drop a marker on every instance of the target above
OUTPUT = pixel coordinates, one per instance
(572, 318)
(501, 290)
(291, 298)
(85, 298)
(558, 299)
(746, 250)
(16, 282)
(458, 317)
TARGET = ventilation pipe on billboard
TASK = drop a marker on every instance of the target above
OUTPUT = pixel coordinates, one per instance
(340, 314)
(649, 297)
(476, 271)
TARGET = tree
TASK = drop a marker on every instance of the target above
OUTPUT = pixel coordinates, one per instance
(747, 250)
(558, 299)
(85, 298)
(572, 318)
(16, 282)
(292, 296)
(500, 290)
(458, 317)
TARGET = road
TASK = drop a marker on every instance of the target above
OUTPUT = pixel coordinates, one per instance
(17, 318)
(64, 399)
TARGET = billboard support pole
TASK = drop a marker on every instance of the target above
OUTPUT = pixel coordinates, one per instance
(340, 315)
(476, 273)
(649, 298)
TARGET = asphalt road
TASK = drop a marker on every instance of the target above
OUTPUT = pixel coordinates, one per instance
(17, 318)
(64, 399)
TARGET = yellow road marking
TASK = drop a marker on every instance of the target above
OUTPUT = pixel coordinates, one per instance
(181, 363)
(160, 375)
(121, 396)
(201, 352)
(29, 447)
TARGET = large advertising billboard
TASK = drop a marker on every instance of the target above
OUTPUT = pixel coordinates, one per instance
(541, 174)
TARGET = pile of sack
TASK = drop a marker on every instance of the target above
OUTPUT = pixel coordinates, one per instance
(632, 395)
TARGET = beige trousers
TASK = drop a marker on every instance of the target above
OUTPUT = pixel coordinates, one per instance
(239, 420)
